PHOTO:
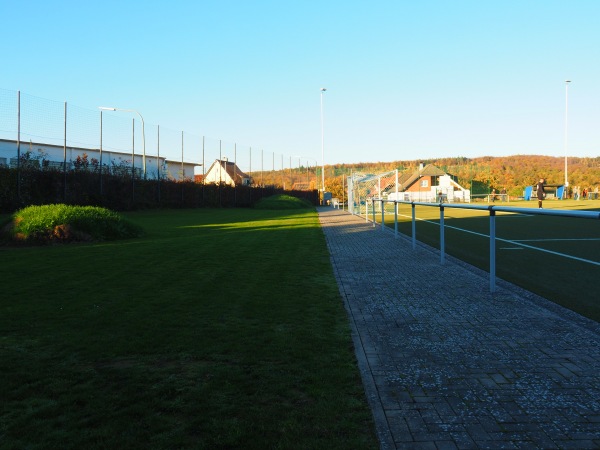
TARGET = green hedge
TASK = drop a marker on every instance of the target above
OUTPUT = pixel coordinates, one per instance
(122, 193)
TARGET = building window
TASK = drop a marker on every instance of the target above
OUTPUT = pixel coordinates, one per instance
(424, 182)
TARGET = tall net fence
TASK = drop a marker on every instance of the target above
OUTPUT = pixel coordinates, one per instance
(53, 151)
(59, 132)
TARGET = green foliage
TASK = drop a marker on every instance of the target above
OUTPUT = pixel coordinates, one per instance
(282, 201)
(60, 223)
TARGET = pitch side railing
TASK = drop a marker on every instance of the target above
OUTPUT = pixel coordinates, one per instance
(492, 214)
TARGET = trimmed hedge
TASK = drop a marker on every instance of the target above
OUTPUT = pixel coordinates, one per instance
(124, 193)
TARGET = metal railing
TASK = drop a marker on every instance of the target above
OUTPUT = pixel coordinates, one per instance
(492, 215)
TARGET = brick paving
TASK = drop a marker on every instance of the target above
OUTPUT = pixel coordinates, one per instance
(448, 365)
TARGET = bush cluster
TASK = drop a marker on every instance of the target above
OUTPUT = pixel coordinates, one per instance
(282, 201)
(67, 223)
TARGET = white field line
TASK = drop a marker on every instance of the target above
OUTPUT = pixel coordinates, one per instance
(520, 243)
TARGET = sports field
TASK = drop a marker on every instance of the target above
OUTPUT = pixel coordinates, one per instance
(555, 257)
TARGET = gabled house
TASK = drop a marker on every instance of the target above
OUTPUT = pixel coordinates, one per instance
(226, 172)
(428, 184)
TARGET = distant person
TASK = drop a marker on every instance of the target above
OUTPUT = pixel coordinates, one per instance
(541, 193)
(503, 195)
(493, 195)
(584, 194)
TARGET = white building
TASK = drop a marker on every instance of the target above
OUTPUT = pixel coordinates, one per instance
(53, 156)
(226, 172)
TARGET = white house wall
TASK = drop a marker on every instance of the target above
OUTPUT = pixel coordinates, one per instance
(217, 174)
(55, 153)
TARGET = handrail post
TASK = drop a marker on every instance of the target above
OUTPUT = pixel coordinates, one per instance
(382, 214)
(374, 219)
(414, 226)
(442, 240)
(492, 249)
(395, 218)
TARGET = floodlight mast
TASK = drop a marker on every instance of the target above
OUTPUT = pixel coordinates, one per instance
(322, 148)
(111, 108)
(565, 195)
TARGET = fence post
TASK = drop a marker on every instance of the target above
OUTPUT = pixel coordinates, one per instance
(132, 163)
(492, 249)
(101, 187)
(414, 227)
(442, 236)
(65, 158)
(374, 219)
(382, 214)
(396, 218)
(19, 147)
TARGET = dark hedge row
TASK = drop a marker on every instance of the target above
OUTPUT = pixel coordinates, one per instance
(122, 193)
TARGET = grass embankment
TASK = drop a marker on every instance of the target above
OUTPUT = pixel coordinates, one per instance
(211, 331)
(66, 223)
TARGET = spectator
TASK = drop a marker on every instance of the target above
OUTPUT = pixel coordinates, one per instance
(541, 193)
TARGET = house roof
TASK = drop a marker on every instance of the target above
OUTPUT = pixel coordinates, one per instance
(231, 168)
(407, 179)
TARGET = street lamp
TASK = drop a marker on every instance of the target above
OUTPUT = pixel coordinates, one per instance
(566, 134)
(108, 108)
(322, 147)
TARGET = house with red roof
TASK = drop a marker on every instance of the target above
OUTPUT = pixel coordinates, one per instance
(226, 172)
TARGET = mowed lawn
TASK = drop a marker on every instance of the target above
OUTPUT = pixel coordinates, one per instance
(555, 257)
(217, 329)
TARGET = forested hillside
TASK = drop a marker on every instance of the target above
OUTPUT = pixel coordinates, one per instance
(483, 173)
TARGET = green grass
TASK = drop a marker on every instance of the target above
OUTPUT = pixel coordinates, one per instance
(67, 223)
(217, 329)
(282, 201)
(569, 282)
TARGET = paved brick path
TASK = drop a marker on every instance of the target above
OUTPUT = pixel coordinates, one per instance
(448, 365)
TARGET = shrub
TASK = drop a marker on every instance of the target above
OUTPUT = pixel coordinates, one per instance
(282, 201)
(65, 223)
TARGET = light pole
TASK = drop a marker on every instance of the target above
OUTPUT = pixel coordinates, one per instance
(322, 148)
(566, 135)
(108, 108)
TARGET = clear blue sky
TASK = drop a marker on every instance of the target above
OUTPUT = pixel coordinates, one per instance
(405, 79)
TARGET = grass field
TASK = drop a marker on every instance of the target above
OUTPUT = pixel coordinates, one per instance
(555, 257)
(217, 329)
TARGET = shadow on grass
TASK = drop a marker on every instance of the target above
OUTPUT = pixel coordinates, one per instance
(218, 329)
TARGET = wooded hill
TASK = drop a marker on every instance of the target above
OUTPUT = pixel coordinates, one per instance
(481, 174)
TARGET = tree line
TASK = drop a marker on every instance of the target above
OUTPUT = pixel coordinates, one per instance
(480, 175)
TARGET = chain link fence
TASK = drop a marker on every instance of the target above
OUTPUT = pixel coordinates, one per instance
(427, 184)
